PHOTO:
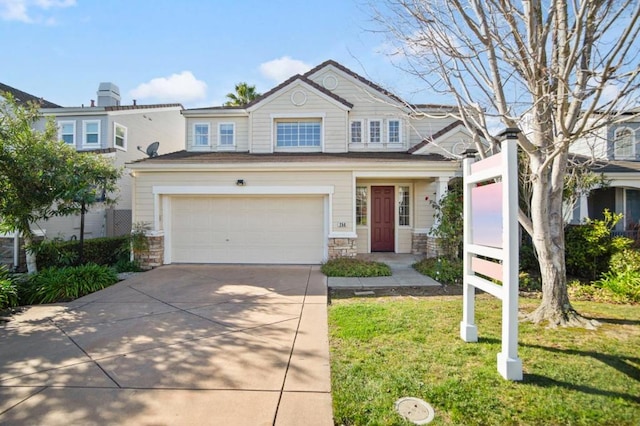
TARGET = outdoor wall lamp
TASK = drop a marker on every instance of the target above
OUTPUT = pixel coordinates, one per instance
(241, 182)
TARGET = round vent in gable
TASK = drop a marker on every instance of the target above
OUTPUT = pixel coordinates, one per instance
(330, 82)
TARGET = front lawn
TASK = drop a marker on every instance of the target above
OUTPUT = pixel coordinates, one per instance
(386, 348)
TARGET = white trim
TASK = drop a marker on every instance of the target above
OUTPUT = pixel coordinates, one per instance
(298, 115)
(60, 134)
(194, 145)
(222, 146)
(421, 230)
(350, 132)
(288, 87)
(115, 128)
(369, 122)
(389, 131)
(633, 143)
(84, 133)
(241, 190)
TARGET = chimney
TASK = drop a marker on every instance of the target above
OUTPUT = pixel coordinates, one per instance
(93, 103)
(108, 95)
(135, 102)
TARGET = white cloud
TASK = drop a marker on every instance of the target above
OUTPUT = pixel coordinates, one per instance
(282, 68)
(24, 10)
(183, 87)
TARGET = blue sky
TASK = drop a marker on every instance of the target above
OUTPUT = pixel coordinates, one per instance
(190, 51)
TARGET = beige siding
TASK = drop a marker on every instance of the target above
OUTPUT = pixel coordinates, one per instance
(316, 106)
(404, 240)
(241, 129)
(341, 181)
(423, 208)
(363, 239)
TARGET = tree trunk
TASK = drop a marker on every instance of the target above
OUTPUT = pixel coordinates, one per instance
(32, 267)
(548, 239)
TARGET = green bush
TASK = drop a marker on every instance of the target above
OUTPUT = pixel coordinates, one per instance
(627, 259)
(450, 222)
(625, 284)
(589, 247)
(441, 269)
(101, 251)
(528, 282)
(68, 283)
(350, 267)
(126, 265)
(8, 289)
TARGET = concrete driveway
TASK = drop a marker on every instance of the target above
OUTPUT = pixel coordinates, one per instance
(178, 345)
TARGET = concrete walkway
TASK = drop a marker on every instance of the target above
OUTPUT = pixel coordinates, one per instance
(402, 274)
(179, 345)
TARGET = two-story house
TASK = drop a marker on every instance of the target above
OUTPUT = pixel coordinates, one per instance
(119, 132)
(616, 149)
(325, 164)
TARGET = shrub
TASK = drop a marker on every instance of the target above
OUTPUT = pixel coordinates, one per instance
(68, 283)
(441, 269)
(350, 267)
(627, 259)
(8, 289)
(589, 247)
(126, 265)
(450, 221)
(528, 282)
(623, 283)
(101, 251)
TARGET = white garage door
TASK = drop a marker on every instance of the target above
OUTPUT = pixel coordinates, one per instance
(247, 229)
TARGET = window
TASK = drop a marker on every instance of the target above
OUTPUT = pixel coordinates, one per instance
(403, 206)
(226, 134)
(91, 131)
(361, 205)
(375, 130)
(201, 134)
(623, 143)
(356, 131)
(298, 133)
(119, 136)
(67, 132)
(393, 131)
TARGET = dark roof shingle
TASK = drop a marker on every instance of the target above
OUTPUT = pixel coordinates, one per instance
(24, 97)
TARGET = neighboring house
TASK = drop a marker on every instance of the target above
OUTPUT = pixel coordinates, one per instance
(120, 132)
(616, 149)
(325, 164)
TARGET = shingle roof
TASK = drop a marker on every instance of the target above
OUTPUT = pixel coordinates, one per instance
(245, 157)
(24, 97)
(607, 166)
(128, 107)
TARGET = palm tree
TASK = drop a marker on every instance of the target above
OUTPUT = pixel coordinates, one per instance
(243, 95)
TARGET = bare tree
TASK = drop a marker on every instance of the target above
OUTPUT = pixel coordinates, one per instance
(558, 69)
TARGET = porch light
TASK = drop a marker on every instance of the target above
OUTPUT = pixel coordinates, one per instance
(241, 182)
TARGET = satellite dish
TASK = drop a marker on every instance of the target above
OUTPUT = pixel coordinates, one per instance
(152, 149)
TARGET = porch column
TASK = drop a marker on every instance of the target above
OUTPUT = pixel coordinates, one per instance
(441, 189)
(583, 203)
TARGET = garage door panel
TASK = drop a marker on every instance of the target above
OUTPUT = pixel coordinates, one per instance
(247, 229)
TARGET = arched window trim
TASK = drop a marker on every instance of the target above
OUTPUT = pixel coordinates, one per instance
(616, 139)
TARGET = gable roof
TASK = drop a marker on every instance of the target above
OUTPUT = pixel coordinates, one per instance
(357, 76)
(24, 97)
(305, 80)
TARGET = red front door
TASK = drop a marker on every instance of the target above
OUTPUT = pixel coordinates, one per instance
(382, 218)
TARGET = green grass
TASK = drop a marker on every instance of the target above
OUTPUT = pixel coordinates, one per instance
(385, 348)
(350, 267)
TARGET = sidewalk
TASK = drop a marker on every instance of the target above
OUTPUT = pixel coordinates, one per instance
(402, 274)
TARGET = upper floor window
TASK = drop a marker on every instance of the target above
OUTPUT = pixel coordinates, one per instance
(375, 131)
(201, 134)
(403, 206)
(297, 133)
(91, 132)
(361, 205)
(67, 132)
(119, 136)
(624, 143)
(226, 134)
(356, 131)
(393, 131)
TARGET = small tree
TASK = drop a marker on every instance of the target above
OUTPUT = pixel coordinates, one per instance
(243, 95)
(41, 177)
(449, 221)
